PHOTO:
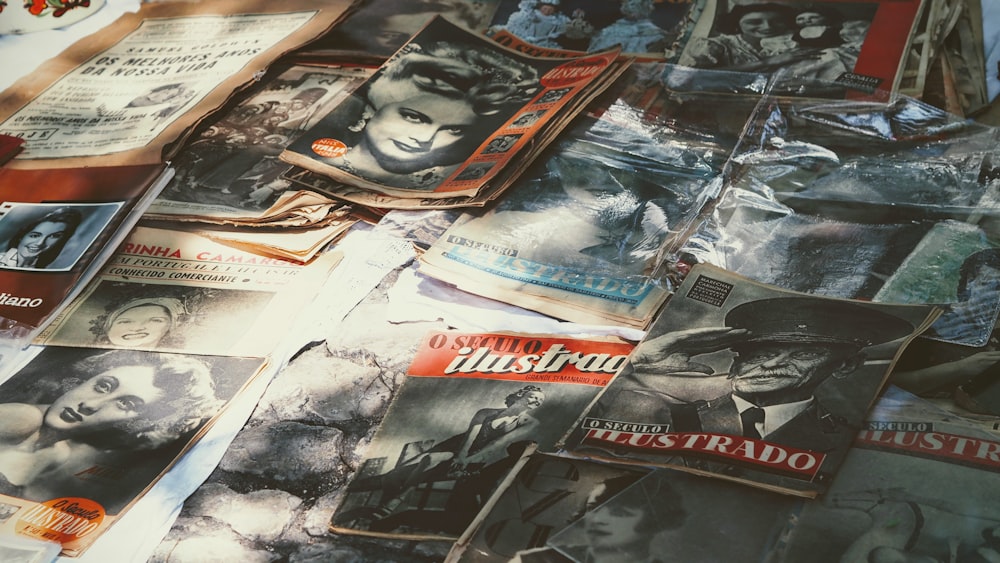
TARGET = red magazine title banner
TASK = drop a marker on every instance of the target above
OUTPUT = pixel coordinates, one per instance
(520, 357)
(969, 450)
(655, 439)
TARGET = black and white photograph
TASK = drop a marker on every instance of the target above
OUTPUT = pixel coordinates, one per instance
(120, 314)
(233, 163)
(547, 494)
(812, 40)
(746, 361)
(102, 425)
(672, 516)
(444, 448)
(378, 28)
(641, 27)
(425, 111)
(50, 236)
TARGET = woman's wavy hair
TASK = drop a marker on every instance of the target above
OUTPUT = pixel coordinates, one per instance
(71, 217)
(189, 399)
(501, 82)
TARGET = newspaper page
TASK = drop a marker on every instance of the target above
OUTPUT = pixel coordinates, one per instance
(674, 516)
(87, 432)
(645, 29)
(171, 290)
(829, 48)
(548, 493)
(470, 405)
(749, 382)
(914, 487)
(580, 236)
(123, 95)
(449, 113)
(58, 226)
(230, 170)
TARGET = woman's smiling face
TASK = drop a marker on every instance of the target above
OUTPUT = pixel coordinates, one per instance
(144, 325)
(763, 24)
(43, 237)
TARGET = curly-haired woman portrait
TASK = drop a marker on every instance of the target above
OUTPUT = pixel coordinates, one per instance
(115, 402)
(38, 243)
(427, 111)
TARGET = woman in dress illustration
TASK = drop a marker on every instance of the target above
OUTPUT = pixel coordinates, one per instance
(128, 401)
(491, 432)
(38, 243)
(145, 322)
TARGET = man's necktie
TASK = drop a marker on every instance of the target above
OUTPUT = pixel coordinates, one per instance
(750, 417)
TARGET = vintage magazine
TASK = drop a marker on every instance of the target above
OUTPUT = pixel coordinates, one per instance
(470, 405)
(87, 432)
(57, 228)
(674, 516)
(749, 382)
(934, 496)
(230, 172)
(828, 48)
(171, 290)
(375, 29)
(127, 94)
(580, 235)
(546, 494)
(450, 114)
(645, 29)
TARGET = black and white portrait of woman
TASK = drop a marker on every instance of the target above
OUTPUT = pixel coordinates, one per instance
(70, 417)
(425, 112)
(42, 236)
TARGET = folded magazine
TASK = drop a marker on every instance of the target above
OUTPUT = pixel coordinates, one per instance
(470, 405)
(748, 382)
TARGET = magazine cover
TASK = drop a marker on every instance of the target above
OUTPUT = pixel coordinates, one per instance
(230, 170)
(168, 290)
(644, 28)
(580, 235)
(57, 228)
(933, 497)
(827, 48)
(546, 494)
(448, 113)
(745, 381)
(130, 93)
(469, 407)
(87, 432)
(673, 516)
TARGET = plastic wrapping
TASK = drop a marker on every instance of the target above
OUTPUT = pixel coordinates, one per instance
(856, 199)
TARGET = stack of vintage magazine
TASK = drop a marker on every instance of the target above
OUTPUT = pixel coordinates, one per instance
(449, 120)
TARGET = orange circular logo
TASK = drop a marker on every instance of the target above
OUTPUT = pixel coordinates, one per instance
(61, 520)
(329, 148)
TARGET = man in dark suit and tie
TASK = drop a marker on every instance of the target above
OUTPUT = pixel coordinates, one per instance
(785, 348)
